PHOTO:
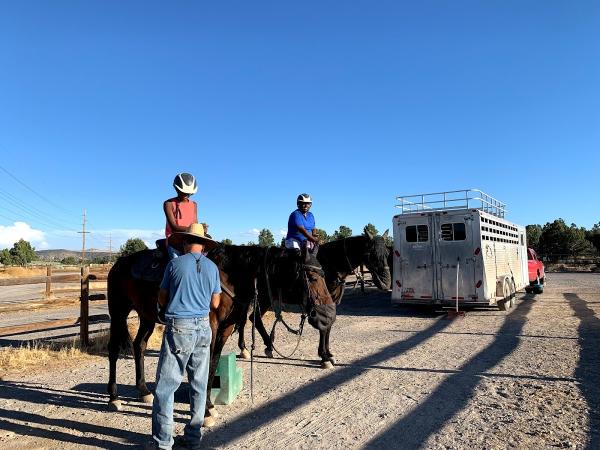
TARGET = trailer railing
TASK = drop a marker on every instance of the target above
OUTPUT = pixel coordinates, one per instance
(451, 200)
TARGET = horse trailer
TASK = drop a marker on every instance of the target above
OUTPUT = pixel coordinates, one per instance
(457, 247)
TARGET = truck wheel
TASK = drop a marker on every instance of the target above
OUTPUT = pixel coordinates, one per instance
(539, 287)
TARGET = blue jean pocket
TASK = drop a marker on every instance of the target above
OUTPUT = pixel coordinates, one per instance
(180, 340)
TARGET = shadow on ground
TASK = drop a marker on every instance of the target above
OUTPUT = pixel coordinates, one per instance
(588, 369)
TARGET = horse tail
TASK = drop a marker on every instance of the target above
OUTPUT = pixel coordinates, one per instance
(119, 305)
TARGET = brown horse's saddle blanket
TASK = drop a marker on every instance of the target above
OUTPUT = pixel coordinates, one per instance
(150, 264)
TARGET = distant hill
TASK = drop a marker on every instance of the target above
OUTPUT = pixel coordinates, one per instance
(59, 254)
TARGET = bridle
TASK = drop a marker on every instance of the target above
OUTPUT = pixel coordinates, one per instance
(278, 309)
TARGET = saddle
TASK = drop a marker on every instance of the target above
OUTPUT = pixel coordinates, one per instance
(150, 264)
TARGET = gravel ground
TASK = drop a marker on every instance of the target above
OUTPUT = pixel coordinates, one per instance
(526, 378)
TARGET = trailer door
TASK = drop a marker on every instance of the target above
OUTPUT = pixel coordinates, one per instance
(417, 259)
(454, 252)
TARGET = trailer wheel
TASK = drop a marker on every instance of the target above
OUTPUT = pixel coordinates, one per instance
(538, 287)
(513, 292)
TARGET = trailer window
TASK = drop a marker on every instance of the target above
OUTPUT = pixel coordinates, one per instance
(417, 233)
(454, 231)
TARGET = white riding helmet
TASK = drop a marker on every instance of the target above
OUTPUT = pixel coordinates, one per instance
(304, 198)
(185, 183)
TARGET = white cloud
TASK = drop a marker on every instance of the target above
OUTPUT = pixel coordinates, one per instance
(20, 230)
(283, 232)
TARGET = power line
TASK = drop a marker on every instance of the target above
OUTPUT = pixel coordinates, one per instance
(29, 214)
(47, 200)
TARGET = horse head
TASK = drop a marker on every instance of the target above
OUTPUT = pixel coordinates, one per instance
(377, 259)
(317, 299)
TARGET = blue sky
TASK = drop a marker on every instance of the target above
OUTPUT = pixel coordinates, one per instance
(102, 103)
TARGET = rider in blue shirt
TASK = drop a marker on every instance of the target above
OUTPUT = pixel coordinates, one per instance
(301, 224)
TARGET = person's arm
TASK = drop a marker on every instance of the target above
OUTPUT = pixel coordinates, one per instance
(171, 217)
(310, 237)
(215, 301)
(163, 297)
(195, 211)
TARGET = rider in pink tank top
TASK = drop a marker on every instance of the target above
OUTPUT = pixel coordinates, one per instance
(184, 214)
(180, 211)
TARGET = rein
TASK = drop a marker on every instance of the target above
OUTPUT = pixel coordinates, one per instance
(278, 309)
(358, 275)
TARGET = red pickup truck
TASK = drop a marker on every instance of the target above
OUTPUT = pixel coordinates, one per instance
(537, 276)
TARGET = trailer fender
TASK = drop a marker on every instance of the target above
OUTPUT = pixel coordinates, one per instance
(503, 287)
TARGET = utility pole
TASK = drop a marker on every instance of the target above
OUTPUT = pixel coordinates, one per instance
(110, 248)
(83, 233)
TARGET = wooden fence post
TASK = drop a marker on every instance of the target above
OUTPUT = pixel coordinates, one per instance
(84, 309)
(48, 281)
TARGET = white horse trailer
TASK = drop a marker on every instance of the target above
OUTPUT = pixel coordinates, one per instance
(457, 245)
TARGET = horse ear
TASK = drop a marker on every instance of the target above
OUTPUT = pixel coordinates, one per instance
(368, 233)
(385, 235)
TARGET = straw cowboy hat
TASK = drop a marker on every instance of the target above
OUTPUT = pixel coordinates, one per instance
(194, 233)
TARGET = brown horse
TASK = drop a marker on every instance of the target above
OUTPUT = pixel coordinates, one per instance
(338, 259)
(239, 268)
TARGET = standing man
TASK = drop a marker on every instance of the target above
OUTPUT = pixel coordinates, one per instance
(301, 225)
(189, 289)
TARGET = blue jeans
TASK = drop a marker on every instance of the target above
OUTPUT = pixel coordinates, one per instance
(185, 347)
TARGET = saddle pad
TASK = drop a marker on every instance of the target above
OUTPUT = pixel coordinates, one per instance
(149, 266)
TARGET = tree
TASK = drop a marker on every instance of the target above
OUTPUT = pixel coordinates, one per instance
(558, 238)
(6, 258)
(322, 235)
(370, 229)
(594, 236)
(341, 233)
(282, 243)
(22, 253)
(100, 260)
(534, 232)
(227, 241)
(69, 261)
(250, 243)
(132, 245)
(265, 238)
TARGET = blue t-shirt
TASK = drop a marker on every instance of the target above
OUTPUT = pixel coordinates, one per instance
(191, 280)
(296, 220)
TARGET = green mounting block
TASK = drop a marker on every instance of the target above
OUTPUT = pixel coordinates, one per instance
(228, 380)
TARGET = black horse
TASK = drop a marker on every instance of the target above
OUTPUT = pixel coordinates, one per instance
(342, 257)
(338, 259)
(239, 267)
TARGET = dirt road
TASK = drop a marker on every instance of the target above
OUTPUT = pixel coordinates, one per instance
(526, 378)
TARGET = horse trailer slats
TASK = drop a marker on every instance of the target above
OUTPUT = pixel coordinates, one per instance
(478, 247)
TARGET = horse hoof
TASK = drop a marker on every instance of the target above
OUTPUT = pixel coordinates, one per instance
(244, 354)
(269, 353)
(115, 405)
(209, 422)
(213, 413)
(148, 398)
(326, 365)
(331, 359)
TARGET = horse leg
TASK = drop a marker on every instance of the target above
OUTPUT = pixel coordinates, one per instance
(328, 353)
(139, 348)
(260, 326)
(219, 338)
(244, 353)
(324, 348)
(119, 337)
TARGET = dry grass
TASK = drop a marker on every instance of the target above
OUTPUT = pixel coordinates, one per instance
(38, 354)
(21, 272)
